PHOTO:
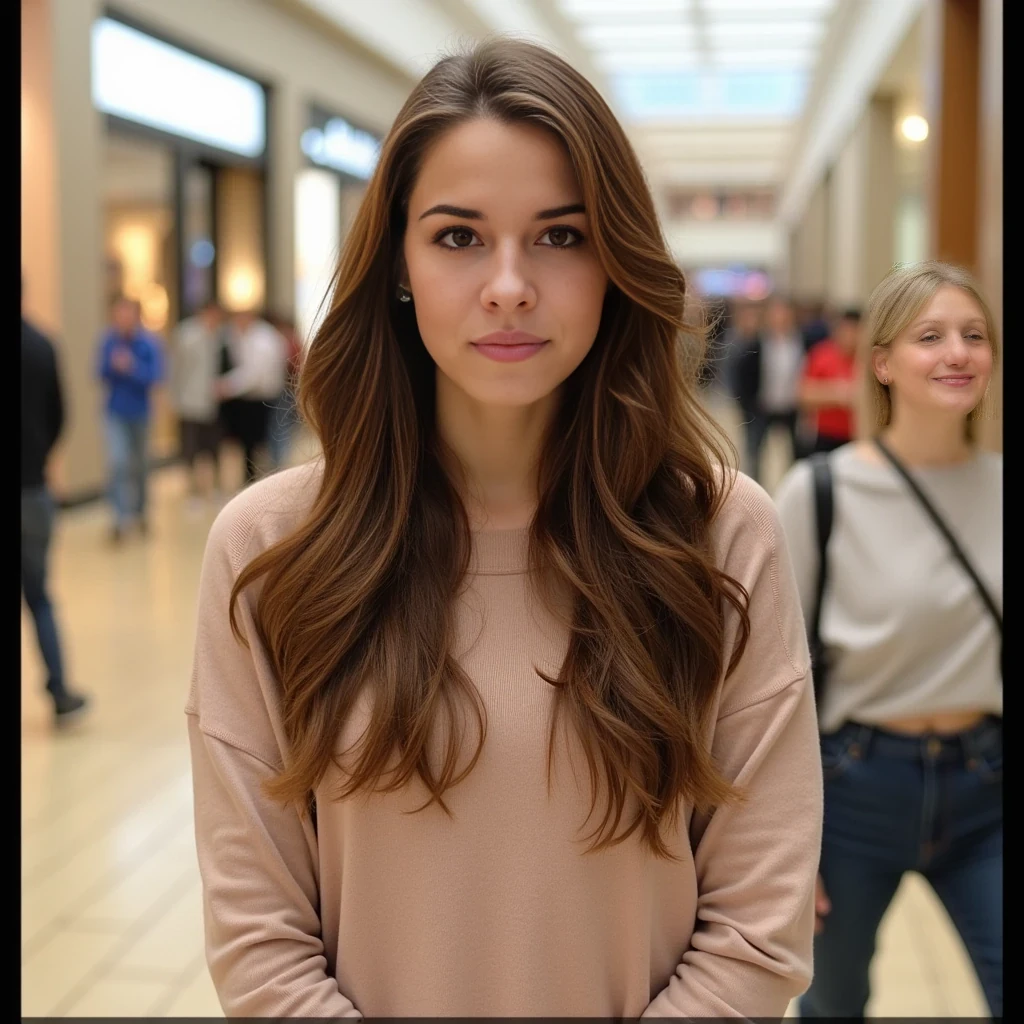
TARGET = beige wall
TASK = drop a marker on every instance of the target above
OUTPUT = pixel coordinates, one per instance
(808, 249)
(39, 245)
(78, 213)
(862, 208)
(882, 194)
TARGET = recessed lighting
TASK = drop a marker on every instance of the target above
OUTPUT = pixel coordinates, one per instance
(914, 128)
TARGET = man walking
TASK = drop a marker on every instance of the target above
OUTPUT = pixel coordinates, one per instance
(130, 364)
(42, 419)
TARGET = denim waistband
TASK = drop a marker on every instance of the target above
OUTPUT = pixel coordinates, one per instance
(934, 747)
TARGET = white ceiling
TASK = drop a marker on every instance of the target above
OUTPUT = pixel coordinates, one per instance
(709, 90)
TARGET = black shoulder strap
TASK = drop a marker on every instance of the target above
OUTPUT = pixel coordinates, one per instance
(954, 545)
(821, 469)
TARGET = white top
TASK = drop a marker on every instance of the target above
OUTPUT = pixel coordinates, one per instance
(904, 626)
(260, 359)
(782, 359)
(194, 369)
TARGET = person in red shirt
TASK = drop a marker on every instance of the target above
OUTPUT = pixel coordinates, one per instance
(828, 389)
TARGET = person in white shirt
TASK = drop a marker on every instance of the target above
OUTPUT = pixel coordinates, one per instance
(768, 381)
(195, 354)
(252, 378)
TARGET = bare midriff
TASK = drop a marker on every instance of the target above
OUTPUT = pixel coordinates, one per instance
(940, 724)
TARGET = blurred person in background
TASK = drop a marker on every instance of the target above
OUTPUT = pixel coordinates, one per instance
(716, 315)
(829, 386)
(742, 332)
(284, 417)
(768, 380)
(130, 365)
(910, 677)
(42, 420)
(813, 323)
(521, 553)
(253, 367)
(195, 366)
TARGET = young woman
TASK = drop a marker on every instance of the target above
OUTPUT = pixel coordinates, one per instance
(912, 704)
(515, 716)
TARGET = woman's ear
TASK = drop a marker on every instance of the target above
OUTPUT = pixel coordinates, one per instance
(880, 363)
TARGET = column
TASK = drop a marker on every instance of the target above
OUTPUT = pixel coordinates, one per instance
(287, 122)
(952, 98)
(78, 134)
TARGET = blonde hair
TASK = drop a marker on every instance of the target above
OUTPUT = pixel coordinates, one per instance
(894, 303)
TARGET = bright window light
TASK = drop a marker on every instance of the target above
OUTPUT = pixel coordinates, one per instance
(343, 147)
(703, 96)
(141, 79)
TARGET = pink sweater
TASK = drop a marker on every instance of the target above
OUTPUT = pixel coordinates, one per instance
(497, 910)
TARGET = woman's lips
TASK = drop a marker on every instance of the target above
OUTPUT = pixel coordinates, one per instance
(509, 346)
(960, 381)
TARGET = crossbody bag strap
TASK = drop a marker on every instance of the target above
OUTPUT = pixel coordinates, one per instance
(821, 469)
(946, 532)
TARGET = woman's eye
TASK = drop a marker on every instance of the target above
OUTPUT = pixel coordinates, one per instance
(561, 238)
(461, 238)
(930, 337)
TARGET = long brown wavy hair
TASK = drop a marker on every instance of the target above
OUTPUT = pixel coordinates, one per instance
(632, 474)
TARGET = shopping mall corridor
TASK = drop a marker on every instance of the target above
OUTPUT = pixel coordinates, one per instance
(111, 918)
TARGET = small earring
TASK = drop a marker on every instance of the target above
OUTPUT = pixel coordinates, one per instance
(404, 295)
(885, 382)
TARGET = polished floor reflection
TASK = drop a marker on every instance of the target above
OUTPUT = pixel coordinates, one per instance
(111, 916)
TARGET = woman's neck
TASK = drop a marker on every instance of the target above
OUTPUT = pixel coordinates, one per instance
(941, 441)
(497, 448)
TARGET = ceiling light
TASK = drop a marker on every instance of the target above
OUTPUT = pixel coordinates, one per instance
(583, 9)
(914, 128)
(619, 35)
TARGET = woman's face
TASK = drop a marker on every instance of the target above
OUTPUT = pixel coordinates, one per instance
(942, 362)
(506, 286)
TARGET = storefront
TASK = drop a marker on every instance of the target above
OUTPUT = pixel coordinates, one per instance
(184, 181)
(340, 158)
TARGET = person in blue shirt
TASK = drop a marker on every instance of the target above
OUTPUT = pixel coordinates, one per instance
(130, 364)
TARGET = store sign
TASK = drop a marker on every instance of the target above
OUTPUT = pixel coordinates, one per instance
(340, 146)
(141, 79)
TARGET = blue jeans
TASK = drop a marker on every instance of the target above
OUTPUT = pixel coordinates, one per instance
(37, 515)
(931, 804)
(127, 452)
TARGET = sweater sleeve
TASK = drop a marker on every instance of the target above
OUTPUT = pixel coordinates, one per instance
(756, 860)
(257, 857)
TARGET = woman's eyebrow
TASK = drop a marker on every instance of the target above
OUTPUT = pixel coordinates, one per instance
(454, 211)
(463, 213)
(561, 211)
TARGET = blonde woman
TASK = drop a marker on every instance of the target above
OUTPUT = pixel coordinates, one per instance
(911, 707)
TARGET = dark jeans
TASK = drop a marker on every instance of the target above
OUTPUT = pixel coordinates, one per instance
(894, 804)
(128, 456)
(247, 421)
(37, 515)
(757, 428)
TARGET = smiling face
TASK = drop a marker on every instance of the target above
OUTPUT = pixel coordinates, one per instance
(506, 286)
(942, 361)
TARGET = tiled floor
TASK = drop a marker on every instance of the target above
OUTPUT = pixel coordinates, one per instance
(111, 920)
